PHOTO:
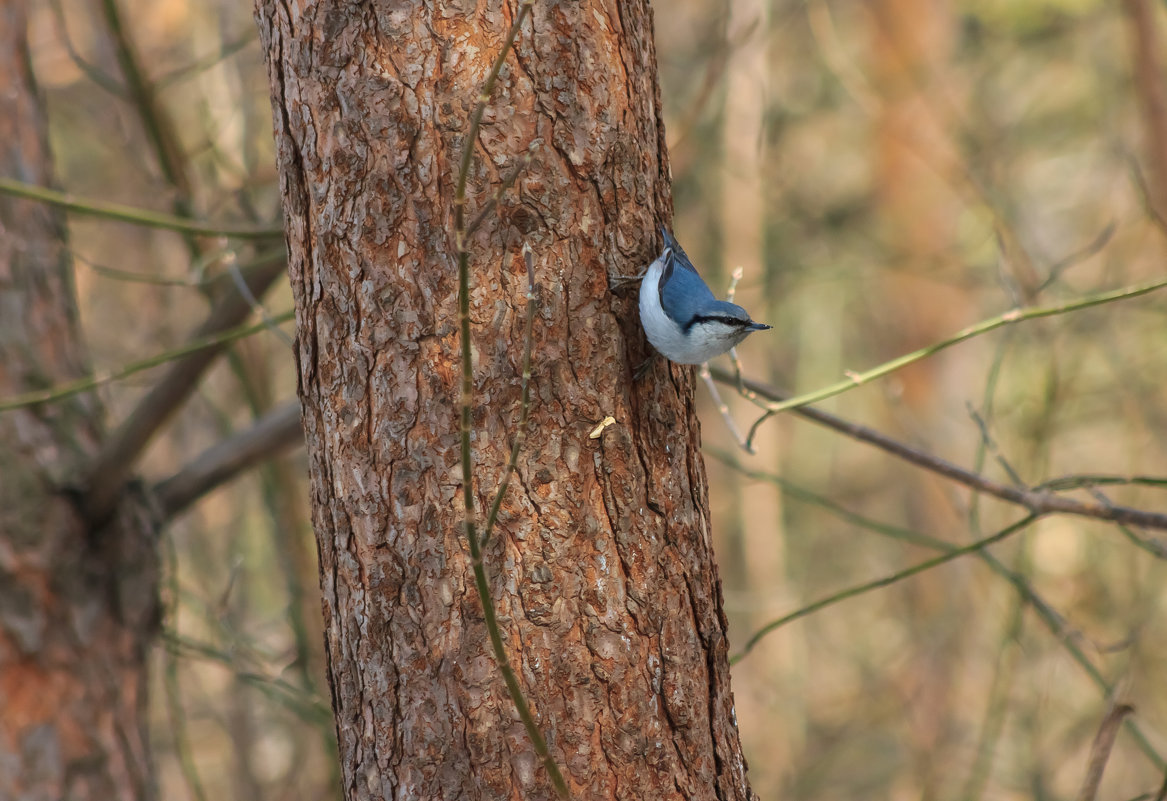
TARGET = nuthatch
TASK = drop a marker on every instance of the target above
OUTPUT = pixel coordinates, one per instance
(680, 315)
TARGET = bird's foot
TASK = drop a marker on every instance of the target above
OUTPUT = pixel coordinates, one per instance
(643, 368)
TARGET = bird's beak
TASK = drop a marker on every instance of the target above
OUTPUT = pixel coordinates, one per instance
(754, 326)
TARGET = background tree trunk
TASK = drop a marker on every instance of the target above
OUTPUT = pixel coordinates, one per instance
(601, 564)
(78, 605)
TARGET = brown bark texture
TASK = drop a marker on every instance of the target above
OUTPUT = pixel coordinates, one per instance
(601, 564)
(77, 605)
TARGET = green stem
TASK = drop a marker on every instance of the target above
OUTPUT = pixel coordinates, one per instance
(1052, 620)
(1008, 318)
(80, 385)
(132, 214)
(524, 399)
(879, 583)
(469, 522)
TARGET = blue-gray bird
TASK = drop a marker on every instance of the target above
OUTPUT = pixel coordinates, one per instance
(680, 315)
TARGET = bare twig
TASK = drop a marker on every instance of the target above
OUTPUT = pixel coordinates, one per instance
(879, 583)
(1035, 500)
(1153, 546)
(129, 276)
(1053, 621)
(306, 704)
(70, 388)
(270, 435)
(160, 127)
(1090, 481)
(226, 51)
(171, 689)
(114, 463)
(1005, 664)
(1136, 172)
(1100, 750)
(470, 525)
(991, 447)
(715, 66)
(985, 326)
(94, 73)
(244, 290)
(734, 278)
(1093, 248)
(524, 398)
(723, 407)
(495, 199)
(134, 215)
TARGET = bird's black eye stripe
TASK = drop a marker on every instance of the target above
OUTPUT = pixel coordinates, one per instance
(716, 318)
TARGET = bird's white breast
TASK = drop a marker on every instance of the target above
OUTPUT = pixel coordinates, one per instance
(664, 334)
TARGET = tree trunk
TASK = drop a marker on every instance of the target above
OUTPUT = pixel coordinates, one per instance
(77, 605)
(601, 563)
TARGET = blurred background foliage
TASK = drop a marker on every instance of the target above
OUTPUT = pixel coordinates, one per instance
(886, 172)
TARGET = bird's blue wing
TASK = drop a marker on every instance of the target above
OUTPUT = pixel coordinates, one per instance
(678, 252)
(682, 292)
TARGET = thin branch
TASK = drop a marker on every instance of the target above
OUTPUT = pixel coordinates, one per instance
(269, 436)
(70, 388)
(245, 291)
(469, 521)
(734, 278)
(1136, 173)
(715, 65)
(1035, 500)
(226, 51)
(988, 409)
(129, 276)
(307, 705)
(703, 371)
(1089, 481)
(997, 699)
(170, 684)
(524, 398)
(1054, 622)
(1100, 750)
(991, 447)
(1008, 318)
(133, 214)
(495, 199)
(799, 493)
(1093, 248)
(879, 583)
(1005, 663)
(160, 127)
(114, 463)
(94, 73)
(723, 407)
(1152, 546)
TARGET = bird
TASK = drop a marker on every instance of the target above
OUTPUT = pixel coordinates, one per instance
(680, 315)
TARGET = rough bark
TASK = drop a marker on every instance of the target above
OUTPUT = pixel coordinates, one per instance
(77, 606)
(601, 564)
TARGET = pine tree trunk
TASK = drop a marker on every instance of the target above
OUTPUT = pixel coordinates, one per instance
(78, 605)
(601, 564)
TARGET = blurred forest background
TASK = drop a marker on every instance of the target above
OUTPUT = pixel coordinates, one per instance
(886, 172)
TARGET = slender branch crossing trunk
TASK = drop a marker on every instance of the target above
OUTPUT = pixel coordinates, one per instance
(601, 564)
